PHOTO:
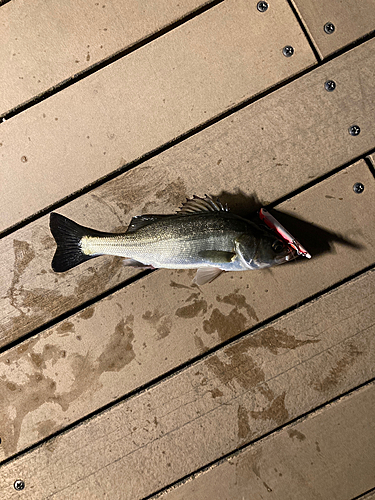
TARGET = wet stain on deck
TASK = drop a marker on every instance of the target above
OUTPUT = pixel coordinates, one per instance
(274, 339)
(87, 313)
(216, 393)
(173, 284)
(45, 428)
(23, 255)
(255, 467)
(119, 351)
(228, 325)
(197, 308)
(27, 380)
(152, 317)
(239, 301)
(337, 372)
(241, 369)
(199, 344)
(244, 430)
(293, 433)
(25, 391)
(164, 328)
(276, 411)
(174, 193)
(65, 327)
(160, 322)
(37, 305)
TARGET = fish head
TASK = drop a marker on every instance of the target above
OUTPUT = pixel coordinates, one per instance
(264, 251)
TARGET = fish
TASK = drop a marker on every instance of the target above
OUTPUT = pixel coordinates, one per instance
(203, 234)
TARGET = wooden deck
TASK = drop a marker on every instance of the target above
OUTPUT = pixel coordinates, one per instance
(117, 383)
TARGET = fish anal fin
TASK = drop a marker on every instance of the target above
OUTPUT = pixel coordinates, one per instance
(198, 205)
(206, 275)
(136, 263)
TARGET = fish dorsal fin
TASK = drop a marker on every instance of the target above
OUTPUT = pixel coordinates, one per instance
(198, 205)
(143, 220)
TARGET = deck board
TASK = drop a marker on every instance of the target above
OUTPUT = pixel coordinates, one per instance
(369, 496)
(262, 152)
(237, 394)
(352, 20)
(48, 43)
(143, 101)
(130, 389)
(335, 444)
(137, 334)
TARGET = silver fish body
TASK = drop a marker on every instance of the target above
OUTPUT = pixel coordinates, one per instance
(203, 235)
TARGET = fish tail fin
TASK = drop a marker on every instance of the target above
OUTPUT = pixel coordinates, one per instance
(68, 235)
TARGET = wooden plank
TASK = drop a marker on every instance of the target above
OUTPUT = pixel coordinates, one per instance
(47, 43)
(224, 401)
(351, 20)
(138, 334)
(369, 496)
(143, 101)
(330, 455)
(260, 153)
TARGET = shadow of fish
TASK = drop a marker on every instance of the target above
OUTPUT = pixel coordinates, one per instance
(202, 235)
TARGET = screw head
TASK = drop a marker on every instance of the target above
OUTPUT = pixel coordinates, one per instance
(354, 130)
(288, 51)
(19, 485)
(262, 6)
(358, 187)
(329, 28)
(330, 85)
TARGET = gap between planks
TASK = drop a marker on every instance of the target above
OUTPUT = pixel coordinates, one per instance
(368, 495)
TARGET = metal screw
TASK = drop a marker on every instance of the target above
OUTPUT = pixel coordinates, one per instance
(262, 6)
(19, 484)
(329, 28)
(330, 85)
(288, 51)
(358, 187)
(354, 130)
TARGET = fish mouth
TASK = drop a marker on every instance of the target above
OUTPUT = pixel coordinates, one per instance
(291, 255)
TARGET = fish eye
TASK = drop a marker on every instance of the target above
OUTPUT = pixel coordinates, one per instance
(278, 246)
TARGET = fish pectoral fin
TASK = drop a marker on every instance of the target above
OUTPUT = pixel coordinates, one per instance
(217, 256)
(206, 275)
(136, 263)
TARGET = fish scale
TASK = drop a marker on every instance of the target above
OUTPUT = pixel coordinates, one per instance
(176, 240)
